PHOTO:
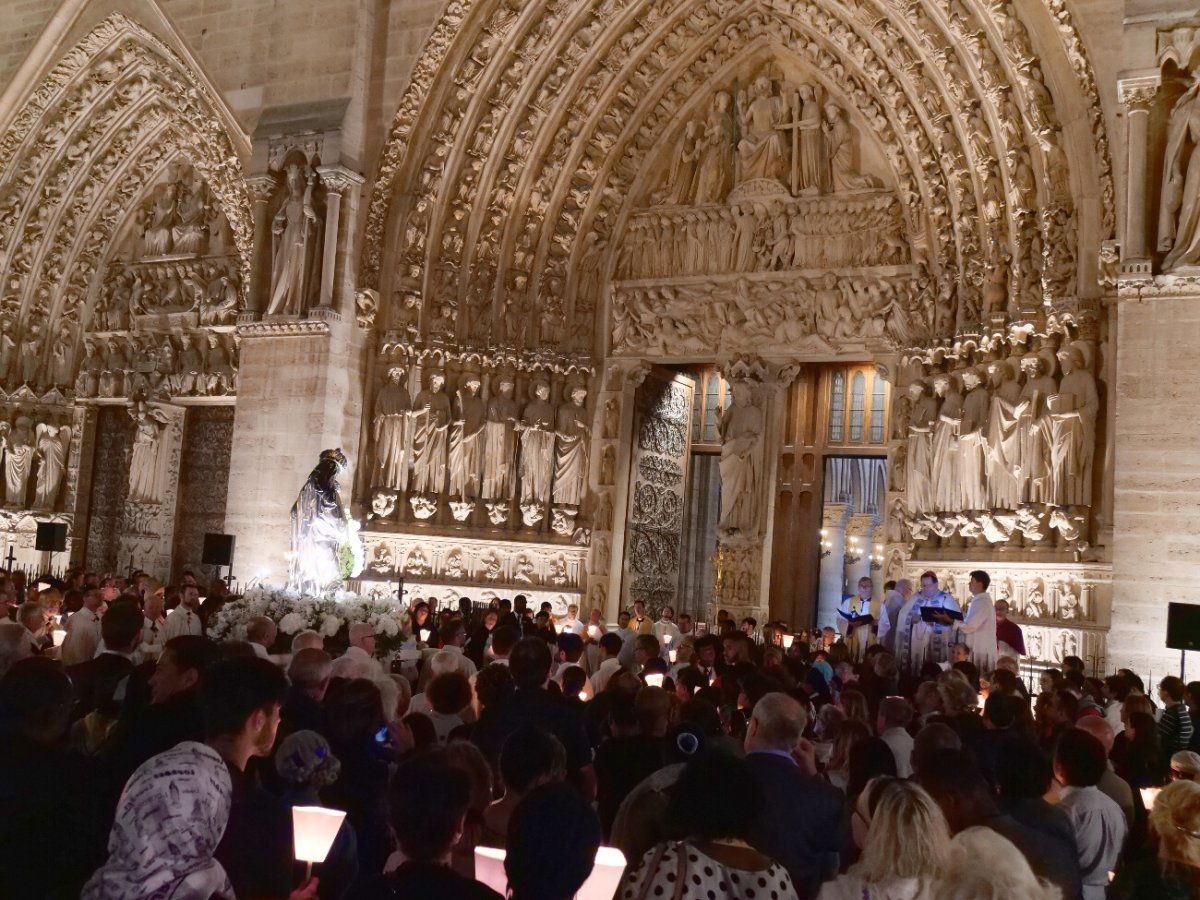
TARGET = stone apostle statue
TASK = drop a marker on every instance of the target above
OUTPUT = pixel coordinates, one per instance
(149, 464)
(500, 442)
(320, 526)
(295, 246)
(945, 472)
(1072, 431)
(1004, 437)
(972, 440)
(53, 443)
(466, 439)
(537, 446)
(920, 448)
(572, 430)
(17, 442)
(392, 430)
(741, 430)
(431, 424)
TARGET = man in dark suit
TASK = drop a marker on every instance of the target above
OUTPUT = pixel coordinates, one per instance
(803, 824)
(98, 681)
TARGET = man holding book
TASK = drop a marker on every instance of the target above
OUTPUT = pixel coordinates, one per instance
(862, 619)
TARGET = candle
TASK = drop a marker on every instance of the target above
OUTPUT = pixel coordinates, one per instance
(593, 631)
(671, 655)
(787, 641)
(314, 829)
(654, 679)
(602, 884)
(59, 635)
(583, 696)
(425, 635)
(667, 639)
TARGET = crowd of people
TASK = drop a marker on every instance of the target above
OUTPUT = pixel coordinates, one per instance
(146, 760)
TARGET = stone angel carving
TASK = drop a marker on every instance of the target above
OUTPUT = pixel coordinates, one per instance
(53, 444)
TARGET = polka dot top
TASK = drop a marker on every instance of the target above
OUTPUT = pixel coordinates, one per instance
(685, 873)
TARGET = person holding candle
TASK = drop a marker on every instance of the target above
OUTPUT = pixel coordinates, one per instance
(551, 815)
(666, 630)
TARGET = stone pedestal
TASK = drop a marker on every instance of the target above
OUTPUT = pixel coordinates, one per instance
(300, 392)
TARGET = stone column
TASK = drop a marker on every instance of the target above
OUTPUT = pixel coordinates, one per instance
(860, 532)
(337, 180)
(260, 188)
(833, 549)
(1136, 94)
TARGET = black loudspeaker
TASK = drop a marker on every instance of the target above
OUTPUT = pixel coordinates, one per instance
(51, 537)
(1183, 626)
(218, 550)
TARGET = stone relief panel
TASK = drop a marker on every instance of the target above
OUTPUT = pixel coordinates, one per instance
(654, 534)
(109, 489)
(1063, 610)
(203, 480)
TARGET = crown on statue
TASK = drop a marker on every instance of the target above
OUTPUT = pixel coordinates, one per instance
(337, 456)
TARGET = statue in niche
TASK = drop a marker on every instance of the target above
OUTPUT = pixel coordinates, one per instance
(294, 249)
(189, 379)
(1003, 437)
(17, 442)
(53, 442)
(87, 382)
(681, 182)
(919, 462)
(406, 314)
(537, 446)
(392, 430)
(116, 364)
(8, 348)
(31, 356)
(945, 472)
(808, 120)
(612, 418)
(1179, 235)
(431, 426)
(466, 439)
(841, 153)
(1033, 425)
(761, 152)
(1072, 430)
(602, 518)
(62, 358)
(1035, 606)
(219, 373)
(740, 428)
(158, 219)
(149, 465)
(500, 441)
(1070, 609)
(321, 527)
(572, 431)
(189, 233)
(972, 440)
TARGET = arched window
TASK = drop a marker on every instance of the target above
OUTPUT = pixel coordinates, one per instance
(858, 392)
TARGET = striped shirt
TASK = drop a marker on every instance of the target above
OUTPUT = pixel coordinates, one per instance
(1175, 728)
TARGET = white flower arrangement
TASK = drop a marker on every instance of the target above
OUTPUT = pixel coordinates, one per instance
(329, 614)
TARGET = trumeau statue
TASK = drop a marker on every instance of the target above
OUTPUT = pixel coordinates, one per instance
(320, 526)
(467, 439)
(53, 442)
(500, 442)
(571, 452)
(295, 249)
(392, 430)
(17, 443)
(149, 466)
(537, 446)
(741, 430)
(431, 426)
(1179, 216)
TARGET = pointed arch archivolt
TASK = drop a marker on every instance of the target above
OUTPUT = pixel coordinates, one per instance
(523, 140)
(104, 123)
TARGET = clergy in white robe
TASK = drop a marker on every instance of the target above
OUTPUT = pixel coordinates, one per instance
(893, 602)
(978, 628)
(860, 637)
(916, 640)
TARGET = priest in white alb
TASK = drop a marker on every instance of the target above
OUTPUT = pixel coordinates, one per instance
(978, 628)
(853, 609)
(917, 641)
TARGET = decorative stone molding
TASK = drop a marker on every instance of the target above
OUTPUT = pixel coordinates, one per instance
(283, 327)
(1138, 92)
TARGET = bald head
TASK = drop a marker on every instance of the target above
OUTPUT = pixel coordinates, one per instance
(310, 670)
(777, 723)
(1099, 729)
(307, 640)
(904, 588)
(360, 634)
(261, 630)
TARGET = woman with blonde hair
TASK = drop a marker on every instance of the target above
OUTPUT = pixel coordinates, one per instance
(854, 704)
(894, 814)
(982, 865)
(851, 732)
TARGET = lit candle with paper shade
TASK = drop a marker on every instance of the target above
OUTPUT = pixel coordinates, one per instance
(583, 696)
(787, 641)
(1149, 795)
(667, 639)
(314, 829)
(654, 679)
(425, 632)
(672, 655)
(594, 631)
(602, 884)
(59, 635)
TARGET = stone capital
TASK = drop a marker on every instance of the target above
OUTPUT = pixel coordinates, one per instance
(1136, 92)
(339, 179)
(260, 187)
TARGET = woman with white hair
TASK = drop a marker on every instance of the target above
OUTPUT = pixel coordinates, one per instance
(982, 865)
(1174, 872)
(892, 814)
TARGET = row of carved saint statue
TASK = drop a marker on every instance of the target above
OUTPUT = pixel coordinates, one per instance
(23, 443)
(469, 449)
(1001, 434)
